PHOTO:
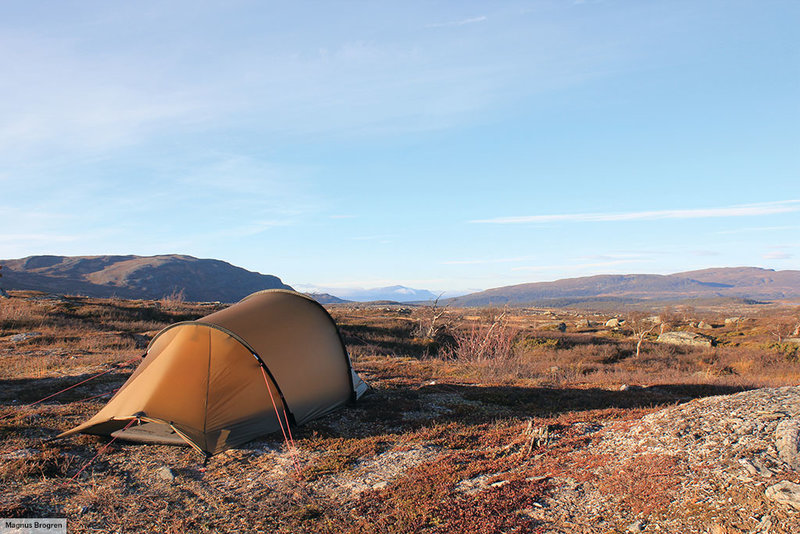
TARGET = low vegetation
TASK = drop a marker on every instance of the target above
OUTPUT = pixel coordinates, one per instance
(472, 414)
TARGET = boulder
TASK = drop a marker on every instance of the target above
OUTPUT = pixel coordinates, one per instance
(704, 325)
(166, 474)
(685, 338)
(612, 323)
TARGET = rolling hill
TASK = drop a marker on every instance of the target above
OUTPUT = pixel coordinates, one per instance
(153, 277)
(734, 282)
(139, 277)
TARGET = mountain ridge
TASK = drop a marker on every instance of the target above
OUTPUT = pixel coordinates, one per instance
(138, 277)
(726, 282)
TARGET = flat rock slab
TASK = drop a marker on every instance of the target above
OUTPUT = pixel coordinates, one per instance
(685, 338)
(785, 492)
(787, 440)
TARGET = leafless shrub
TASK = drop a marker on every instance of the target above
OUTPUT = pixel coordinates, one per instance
(786, 326)
(483, 341)
(641, 325)
(173, 300)
(428, 322)
(688, 313)
(670, 319)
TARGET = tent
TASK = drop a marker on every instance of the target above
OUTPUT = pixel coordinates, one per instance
(275, 357)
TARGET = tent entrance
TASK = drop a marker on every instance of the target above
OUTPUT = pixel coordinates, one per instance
(151, 432)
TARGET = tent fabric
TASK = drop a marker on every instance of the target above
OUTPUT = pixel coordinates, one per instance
(201, 382)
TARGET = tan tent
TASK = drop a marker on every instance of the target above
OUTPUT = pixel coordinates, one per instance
(234, 375)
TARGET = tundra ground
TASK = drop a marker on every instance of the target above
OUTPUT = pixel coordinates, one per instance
(478, 420)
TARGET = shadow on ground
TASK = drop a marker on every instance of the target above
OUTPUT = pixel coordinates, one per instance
(22, 391)
(400, 409)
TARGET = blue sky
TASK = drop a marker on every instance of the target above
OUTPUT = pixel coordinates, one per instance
(442, 145)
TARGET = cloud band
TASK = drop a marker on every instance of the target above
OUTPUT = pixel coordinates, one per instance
(745, 210)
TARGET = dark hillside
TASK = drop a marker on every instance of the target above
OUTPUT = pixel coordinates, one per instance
(141, 277)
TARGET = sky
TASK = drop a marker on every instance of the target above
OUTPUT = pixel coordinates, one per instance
(451, 146)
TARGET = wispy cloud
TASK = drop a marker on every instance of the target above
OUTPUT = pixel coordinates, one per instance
(743, 210)
(630, 256)
(382, 238)
(778, 255)
(485, 261)
(46, 238)
(582, 261)
(579, 266)
(760, 229)
(104, 101)
(461, 22)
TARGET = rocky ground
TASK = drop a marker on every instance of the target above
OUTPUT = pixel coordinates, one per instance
(718, 464)
(721, 464)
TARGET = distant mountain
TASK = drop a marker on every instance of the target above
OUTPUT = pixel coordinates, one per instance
(391, 293)
(735, 282)
(139, 277)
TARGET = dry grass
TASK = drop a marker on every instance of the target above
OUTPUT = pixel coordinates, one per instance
(49, 336)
